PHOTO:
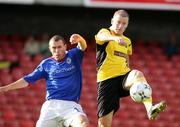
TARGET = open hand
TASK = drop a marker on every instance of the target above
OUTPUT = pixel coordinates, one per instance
(75, 38)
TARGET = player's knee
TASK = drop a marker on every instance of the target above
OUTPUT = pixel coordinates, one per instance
(83, 121)
(133, 77)
(138, 77)
(104, 123)
(137, 73)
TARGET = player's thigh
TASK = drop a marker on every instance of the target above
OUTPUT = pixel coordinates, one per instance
(49, 123)
(106, 120)
(133, 77)
(79, 121)
(75, 116)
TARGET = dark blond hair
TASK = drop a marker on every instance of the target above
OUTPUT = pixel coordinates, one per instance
(122, 13)
(56, 38)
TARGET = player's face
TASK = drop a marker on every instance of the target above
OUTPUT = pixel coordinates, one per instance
(119, 24)
(58, 49)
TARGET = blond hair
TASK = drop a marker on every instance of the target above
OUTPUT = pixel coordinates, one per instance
(122, 13)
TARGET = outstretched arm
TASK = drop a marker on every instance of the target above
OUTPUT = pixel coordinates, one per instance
(78, 39)
(21, 83)
(105, 36)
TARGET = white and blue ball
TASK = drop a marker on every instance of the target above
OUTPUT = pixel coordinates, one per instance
(140, 92)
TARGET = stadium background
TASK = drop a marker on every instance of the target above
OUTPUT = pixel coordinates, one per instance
(150, 30)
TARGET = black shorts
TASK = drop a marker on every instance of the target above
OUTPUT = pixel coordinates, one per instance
(109, 93)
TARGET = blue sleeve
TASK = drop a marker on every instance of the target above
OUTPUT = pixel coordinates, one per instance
(37, 74)
(78, 53)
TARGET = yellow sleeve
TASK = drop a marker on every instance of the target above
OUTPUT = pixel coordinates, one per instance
(129, 48)
(100, 33)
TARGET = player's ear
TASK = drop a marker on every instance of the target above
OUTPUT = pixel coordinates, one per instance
(127, 24)
(111, 21)
(49, 48)
(65, 46)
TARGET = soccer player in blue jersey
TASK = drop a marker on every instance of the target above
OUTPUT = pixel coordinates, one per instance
(63, 75)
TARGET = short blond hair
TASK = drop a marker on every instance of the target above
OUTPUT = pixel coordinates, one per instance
(122, 13)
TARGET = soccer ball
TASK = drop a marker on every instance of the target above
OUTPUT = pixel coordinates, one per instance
(140, 92)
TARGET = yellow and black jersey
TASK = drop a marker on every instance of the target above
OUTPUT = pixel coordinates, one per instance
(112, 57)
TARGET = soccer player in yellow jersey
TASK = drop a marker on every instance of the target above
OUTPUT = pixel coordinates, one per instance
(114, 76)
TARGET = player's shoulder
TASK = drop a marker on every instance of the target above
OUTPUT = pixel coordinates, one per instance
(75, 49)
(47, 61)
(104, 30)
(127, 39)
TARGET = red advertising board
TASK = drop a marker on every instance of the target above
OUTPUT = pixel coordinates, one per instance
(140, 1)
(135, 4)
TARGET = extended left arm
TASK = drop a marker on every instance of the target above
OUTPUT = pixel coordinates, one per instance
(78, 39)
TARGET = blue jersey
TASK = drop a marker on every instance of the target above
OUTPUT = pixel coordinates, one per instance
(63, 79)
